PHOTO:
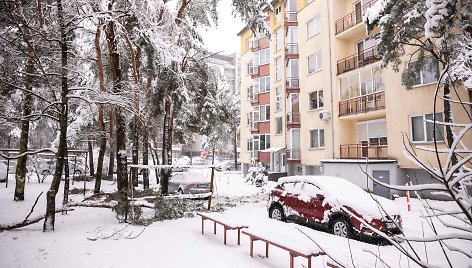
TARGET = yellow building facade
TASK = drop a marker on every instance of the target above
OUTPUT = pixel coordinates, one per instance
(332, 109)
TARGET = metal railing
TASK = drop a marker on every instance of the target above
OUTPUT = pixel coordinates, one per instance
(292, 83)
(358, 151)
(254, 126)
(357, 60)
(352, 19)
(293, 118)
(361, 104)
(293, 154)
(254, 44)
(254, 70)
(291, 49)
(291, 16)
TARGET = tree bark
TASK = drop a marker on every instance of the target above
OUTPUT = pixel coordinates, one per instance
(111, 163)
(90, 152)
(167, 147)
(448, 119)
(121, 161)
(49, 219)
(101, 121)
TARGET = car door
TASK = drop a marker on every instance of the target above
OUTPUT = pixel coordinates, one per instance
(312, 202)
(291, 199)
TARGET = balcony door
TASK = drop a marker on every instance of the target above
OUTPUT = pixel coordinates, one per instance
(293, 108)
(358, 10)
(372, 137)
(292, 6)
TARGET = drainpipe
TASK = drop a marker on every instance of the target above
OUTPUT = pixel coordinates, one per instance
(331, 77)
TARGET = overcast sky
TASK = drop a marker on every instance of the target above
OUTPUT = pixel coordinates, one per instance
(224, 37)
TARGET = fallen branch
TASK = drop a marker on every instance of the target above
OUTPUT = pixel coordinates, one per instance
(31, 221)
(96, 195)
(32, 208)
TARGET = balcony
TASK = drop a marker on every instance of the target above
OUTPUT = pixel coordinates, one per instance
(358, 60)
(291, 16)
(254, 44)
(358, 151)
(254, 70)
(254, 126)
(293, 154)
(254, 98)
(291, 49)
(292, 83)
(352, 19)
(362, 104)
(293, 118)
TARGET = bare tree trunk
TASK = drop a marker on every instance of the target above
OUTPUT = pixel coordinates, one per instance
(448, 119)
(50, 217)
(101, 121)
(145, 134)
(90, 152)
(167, 147)
(235, 147)
(111, 164)
(121, 164)
(24, 135)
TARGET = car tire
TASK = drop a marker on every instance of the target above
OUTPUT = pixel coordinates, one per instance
(78, 172)
(276, 212)
(45, 172)
(341, 227)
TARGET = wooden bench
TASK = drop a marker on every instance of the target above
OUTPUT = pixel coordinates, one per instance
(294, 248)
(227, 225)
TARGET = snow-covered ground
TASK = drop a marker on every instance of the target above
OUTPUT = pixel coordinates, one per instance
(78, 238)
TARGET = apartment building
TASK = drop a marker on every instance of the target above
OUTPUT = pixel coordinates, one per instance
(316, 102)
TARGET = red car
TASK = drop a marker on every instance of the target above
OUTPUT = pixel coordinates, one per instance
(335, 204)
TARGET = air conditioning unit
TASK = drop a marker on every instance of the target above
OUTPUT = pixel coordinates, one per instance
(325, 115)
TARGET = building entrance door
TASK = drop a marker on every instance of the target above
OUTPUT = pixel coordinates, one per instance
(382, 176)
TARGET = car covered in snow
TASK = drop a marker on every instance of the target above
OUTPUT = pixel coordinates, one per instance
(48, 167)
(189, 183)
(333, 204)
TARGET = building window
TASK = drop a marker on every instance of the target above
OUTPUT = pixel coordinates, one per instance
(422, 131)
(278, 13)
(278, 39)
(314, 62)
(249, 145)
(278, 125)
(429, 72)
(278, 99)
(249, 118)
(255, 114)
(263, 84)
(317, 138)
(316, 99)
(313, 27)
(278, 69)
(263, 113)
(261, 142)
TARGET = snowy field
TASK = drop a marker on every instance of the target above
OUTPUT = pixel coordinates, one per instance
(92, 237)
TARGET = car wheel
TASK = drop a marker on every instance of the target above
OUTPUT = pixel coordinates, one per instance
(341, 227)
(46, 172)
(78, 172)
(277, 213)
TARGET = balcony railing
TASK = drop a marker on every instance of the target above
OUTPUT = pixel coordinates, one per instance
(255, 126)
(293, 154)
(352, 19)
(291, 16)
(254, 70)
(253, 97)
(358, 151)
(254, 44)
(292, 83)
(362, 104)
(357, 60)
(291, 49)
(293, 118)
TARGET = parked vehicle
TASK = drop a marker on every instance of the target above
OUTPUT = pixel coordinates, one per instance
(47, 168)
(197, 160)
(189, 183)
(11, 164)
(334, 204)
(224, 165)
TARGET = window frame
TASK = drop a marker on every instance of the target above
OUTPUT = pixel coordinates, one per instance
(318, 62)
(278, 121)
(318, 101)
(421, 82)
(439, 128)
(316, 20)
(320, 142)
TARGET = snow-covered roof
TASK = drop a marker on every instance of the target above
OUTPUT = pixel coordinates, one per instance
(272, 149)
(341, 192)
